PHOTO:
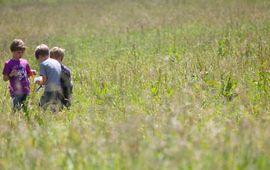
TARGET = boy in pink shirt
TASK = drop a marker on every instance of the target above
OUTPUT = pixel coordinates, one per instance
(17, 71)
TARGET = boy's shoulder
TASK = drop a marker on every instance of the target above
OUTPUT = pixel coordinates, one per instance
(8, 61)
(65, 69)
(50, 61)
(12, 62)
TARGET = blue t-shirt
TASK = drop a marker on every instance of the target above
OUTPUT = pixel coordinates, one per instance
(51, 69)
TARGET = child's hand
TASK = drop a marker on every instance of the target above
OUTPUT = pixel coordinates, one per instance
(12, 73)
(38, 80)
(34, 72)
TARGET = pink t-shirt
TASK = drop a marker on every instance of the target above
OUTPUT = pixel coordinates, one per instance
(19, 84)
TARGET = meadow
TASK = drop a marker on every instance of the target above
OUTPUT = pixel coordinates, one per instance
(158, 84)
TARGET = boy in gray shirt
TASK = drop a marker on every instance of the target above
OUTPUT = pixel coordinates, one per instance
(50, 72)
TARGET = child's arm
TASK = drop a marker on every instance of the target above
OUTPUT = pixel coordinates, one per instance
(30, 72)
(5, 77)
(43, 74)
(6, 71)
(43, 81)
(8, 76)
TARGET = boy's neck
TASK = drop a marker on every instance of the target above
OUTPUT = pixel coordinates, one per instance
(15, 58)
(43, 58)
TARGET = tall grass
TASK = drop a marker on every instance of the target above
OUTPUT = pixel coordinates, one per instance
(169, 84)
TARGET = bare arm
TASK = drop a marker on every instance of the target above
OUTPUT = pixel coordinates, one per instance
(43, 81)
(5, 77)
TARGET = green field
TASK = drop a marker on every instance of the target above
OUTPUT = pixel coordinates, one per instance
(158, 84)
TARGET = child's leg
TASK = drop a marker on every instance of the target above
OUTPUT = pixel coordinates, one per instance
(20, 102)
(24, 102)
(15, 103)
(44, 100)
(51, 99)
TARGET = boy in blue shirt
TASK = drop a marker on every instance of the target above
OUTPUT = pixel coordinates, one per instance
(50, 73)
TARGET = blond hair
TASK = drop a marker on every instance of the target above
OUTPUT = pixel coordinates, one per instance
(57, 53)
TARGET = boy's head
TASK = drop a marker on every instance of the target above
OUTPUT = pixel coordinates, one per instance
(57, 53)
(42, 51)
(17, 47)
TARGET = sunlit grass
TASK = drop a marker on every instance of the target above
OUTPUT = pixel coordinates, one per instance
(157, 85)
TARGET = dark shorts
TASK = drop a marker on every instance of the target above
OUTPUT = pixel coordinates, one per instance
(51, 98)
(19, 102)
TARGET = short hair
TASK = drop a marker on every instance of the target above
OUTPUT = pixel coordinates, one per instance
(17, 45)
(57, 53)
(42, 50)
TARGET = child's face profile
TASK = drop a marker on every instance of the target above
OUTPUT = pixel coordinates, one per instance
(18, 54)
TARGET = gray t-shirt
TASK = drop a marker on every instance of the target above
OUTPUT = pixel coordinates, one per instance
(52, 70)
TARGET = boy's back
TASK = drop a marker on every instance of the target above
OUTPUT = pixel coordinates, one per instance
(65, 80)
(52, 70)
